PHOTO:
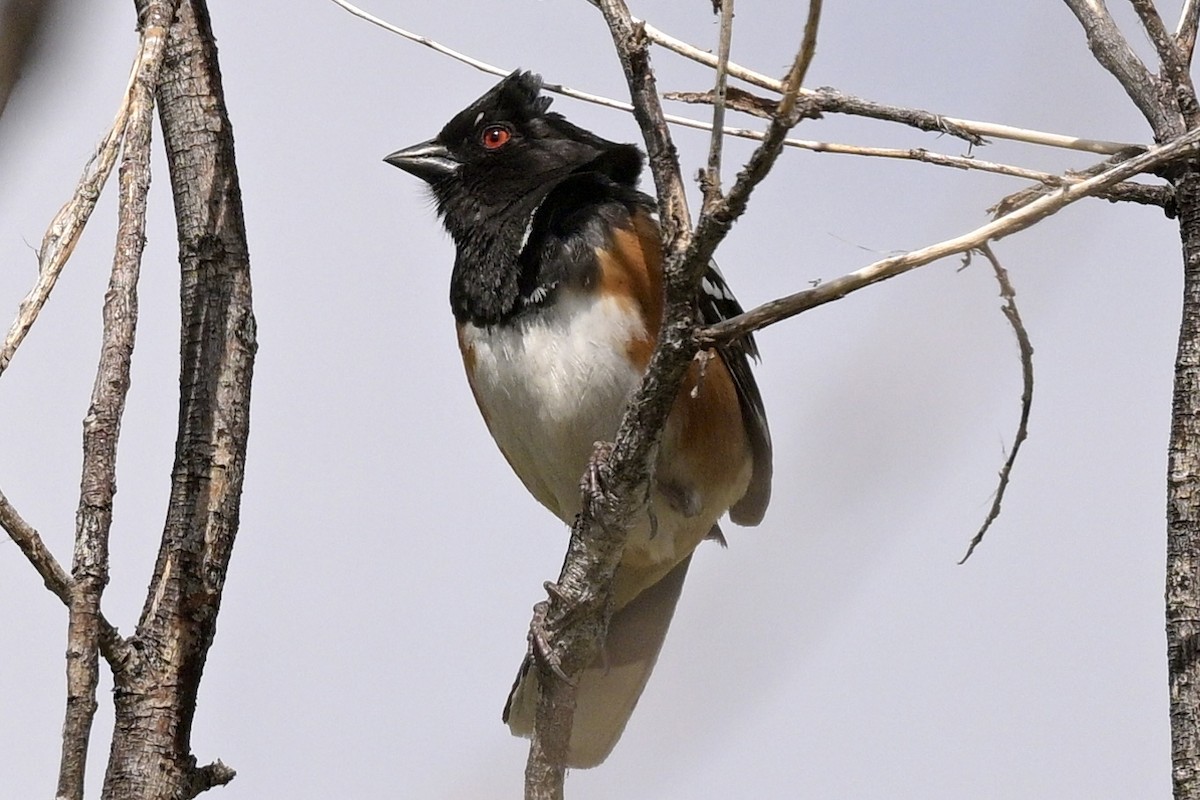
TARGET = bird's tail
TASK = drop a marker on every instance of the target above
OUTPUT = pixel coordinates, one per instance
(609, 689)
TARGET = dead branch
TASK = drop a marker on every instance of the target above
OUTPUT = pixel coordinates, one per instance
(847, 104)
(102, 425)
(154, 706)
(973, 131)
(746, 102)
(68, 224)
(1175, 72)
(1009, 295)
(578, 609)
(711, 184)
(29, 541)
(1018, 220)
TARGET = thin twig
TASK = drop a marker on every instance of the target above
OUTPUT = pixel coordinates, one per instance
(1009, 295)
(1111, 49)
(743, 101)
(713, 226)
(712, 184)
(27, 539)
(1185, 31)
(1018, 220)
(828, 99)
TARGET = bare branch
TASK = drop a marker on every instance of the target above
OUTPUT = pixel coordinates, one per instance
(1009, 295)
(64, 230)
(1018, 220)
(1111, 49)
(743, 101)
(1185, 31)
(26, 538)
(713, 226)
(101, 427)
(151, 747)
(576, 617)
(829, 100)
(1131, 191)
(68, 224)
(1174, 65)
(30, 542)
(579, 607)
(971, 130)
(712, 184)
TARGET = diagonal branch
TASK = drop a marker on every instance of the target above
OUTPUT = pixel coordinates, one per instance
(1111, 49)
(1018, 220)
(114, 648)
(68, 224)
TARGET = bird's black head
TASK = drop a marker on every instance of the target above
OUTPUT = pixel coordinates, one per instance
(502, 154)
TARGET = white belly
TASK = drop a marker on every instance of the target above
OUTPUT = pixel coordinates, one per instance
(551, 386)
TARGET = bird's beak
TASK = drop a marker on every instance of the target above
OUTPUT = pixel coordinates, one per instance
(430, 161)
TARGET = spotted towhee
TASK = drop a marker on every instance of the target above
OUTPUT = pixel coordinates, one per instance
(557, 292)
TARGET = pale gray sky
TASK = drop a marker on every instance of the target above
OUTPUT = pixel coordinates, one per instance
(381, 585)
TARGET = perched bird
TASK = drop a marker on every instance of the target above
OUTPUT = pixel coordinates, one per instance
(557, 294)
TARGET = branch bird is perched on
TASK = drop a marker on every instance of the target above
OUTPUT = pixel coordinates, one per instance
(557, 295)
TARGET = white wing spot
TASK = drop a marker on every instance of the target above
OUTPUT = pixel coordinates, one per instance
(714, 291)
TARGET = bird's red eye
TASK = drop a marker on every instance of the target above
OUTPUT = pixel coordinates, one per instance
(495, 136)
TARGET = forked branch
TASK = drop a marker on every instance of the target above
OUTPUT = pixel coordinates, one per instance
(615, 488)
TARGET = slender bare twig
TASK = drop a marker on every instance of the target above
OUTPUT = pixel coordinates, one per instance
(743, 101)
(712, 183)
(67, 225)
(1009, 295)
(27, 539)
(829, 100)
(713, 226)
(1185, 31)
(101, 426)
(1018, 220)
(1111, 49)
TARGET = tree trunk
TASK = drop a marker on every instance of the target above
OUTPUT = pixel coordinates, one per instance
(1183, 507)
(156, 692)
